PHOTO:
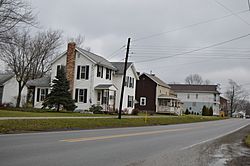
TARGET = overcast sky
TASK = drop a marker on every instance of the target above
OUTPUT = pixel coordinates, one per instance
(158, 29)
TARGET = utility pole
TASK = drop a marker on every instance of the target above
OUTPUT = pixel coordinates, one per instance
(123, 80)
(232, 102)
(249, 4)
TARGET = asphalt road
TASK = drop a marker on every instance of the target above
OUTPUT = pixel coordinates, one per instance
(110, 147)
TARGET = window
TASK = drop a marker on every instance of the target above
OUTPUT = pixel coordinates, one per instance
(126, 81)
(142, 101)
(131, 82)
(214, 97)
(60, 67)
(81, 95)
(42, 93)
(108, 73)
(197, 96)
(99, 71)
(130, 101)
(82, 72)
(188, 96)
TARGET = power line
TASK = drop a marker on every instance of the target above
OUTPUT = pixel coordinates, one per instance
(189, 26)
(113, 54)
(199, 49)
(229, 10)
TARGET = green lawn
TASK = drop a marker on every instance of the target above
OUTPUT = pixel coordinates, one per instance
(9, 113)
(17, 126)
(247, 140)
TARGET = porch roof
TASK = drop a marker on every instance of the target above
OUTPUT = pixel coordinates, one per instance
(106, 87)
(167, 97)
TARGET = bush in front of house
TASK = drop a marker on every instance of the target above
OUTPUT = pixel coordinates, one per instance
(210, 111)
(96, 109)
(204, 111)
(187, 112)
(135, 111)
(207, 111)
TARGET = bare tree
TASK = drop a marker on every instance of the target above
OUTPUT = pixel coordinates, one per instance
(206, 82)
(28, 56)
(13, 13)
(194, 79)
(44, 46)
(79, 40)
(236, 94)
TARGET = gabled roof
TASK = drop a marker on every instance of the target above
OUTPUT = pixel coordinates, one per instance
(120, 66)
(5, 77)
(96, 58)
(157, 80)
(40, 82)
(91, 56)
(194, 88)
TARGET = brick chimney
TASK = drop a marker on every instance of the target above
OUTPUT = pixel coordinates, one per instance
(70, 65)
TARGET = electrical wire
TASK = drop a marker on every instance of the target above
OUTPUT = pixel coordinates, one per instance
(188, 26)
(229, 10)
(196, 50)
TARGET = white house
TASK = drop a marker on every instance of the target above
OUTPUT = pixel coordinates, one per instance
(92, 79)
(194, 97)
(130, 84)
(40, 89)
(9, 90)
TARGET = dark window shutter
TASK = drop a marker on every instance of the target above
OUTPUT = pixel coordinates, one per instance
(87, 72)
(85, 96)
(98, 68)
(102, 96)
(46, 92)
(38, 95)
(57, 69)
(107, 74)
(78, 72)
(102, 73)
(128, 101)
(76, 95)
(110, 74)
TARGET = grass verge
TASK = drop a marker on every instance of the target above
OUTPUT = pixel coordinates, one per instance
(9, 113)
(247, 140)
(18, 126)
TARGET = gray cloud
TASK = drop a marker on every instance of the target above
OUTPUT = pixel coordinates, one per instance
(107, 24)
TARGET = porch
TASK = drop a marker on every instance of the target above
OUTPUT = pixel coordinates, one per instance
(168, 104)
(106, 96)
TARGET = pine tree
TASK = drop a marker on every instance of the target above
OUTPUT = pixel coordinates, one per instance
(204, 111)
(60, 94)
(210, 111)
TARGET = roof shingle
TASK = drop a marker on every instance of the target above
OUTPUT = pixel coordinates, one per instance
(5, 77)
(96, 58)
(193, 88)
(157, 80)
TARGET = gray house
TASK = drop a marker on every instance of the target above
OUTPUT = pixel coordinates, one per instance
(9, 90)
